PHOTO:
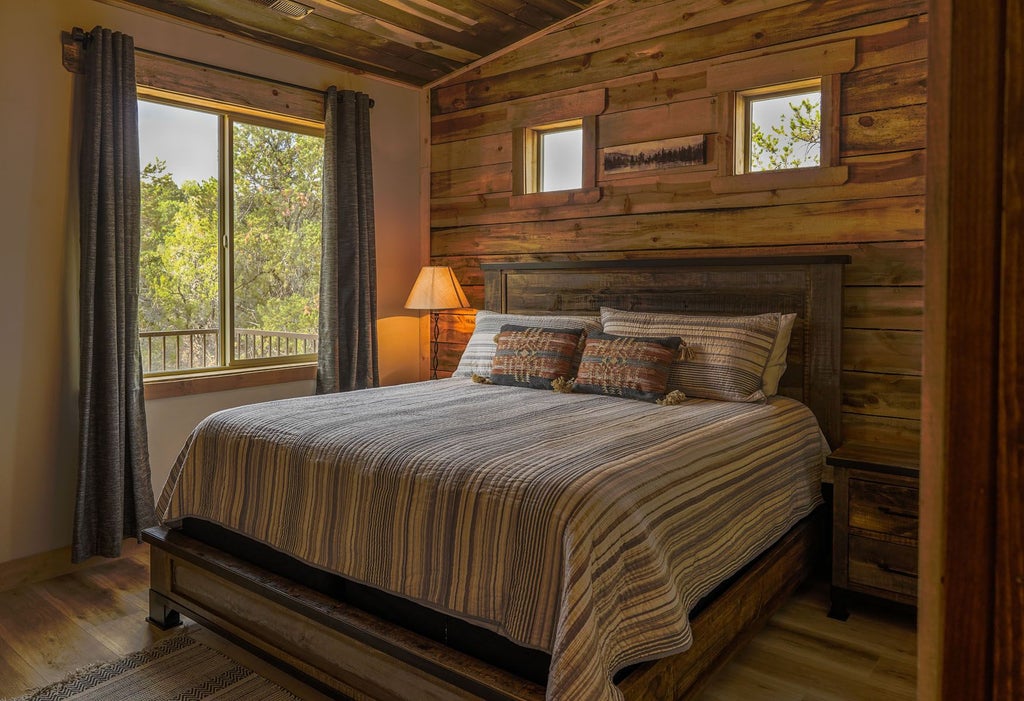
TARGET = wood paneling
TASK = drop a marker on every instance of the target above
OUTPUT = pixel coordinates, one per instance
(408, 43)
(653, 68)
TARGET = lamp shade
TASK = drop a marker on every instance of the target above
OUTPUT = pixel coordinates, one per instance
(436, 288)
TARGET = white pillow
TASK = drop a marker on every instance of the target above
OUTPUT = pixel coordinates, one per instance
(479, 353)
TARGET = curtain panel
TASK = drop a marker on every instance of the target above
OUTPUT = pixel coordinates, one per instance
(114, 497)
(347, 357)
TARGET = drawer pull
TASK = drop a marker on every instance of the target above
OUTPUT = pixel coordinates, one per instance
(896, 512)
(885, 567)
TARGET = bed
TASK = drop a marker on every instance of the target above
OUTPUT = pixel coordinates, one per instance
(472, 582)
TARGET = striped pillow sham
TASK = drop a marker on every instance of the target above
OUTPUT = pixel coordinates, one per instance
(626, 366)
(726, 355)
(479, 353)
(530, 356)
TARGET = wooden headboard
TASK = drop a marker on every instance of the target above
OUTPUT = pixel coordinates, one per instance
(811, 287)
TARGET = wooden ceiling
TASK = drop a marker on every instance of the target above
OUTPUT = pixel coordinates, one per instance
(414, 42)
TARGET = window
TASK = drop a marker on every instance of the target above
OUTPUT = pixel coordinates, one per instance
(779, 127)
(230, 249)
(555, 157)
(554, 150)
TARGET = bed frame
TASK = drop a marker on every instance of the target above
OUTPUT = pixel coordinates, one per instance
(348, 652)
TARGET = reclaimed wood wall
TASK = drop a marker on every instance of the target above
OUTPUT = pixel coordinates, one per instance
(651, 57)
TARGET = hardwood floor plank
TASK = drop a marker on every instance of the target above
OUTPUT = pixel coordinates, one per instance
(52, 628)
(16, 675)
(45, 637)
(802, 655)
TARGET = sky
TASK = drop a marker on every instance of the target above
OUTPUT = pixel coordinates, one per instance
(563, 158)
(185, 139)
(766, 114)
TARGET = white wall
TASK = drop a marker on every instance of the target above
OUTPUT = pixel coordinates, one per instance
(38, 297)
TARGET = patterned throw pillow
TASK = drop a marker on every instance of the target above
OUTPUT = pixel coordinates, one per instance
(479, 353)
(529, 356)
(626, 366)
(726, 355)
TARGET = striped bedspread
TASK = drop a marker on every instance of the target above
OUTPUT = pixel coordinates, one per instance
(583, 525)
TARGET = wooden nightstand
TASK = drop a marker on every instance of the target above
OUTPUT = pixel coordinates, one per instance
(874, 524)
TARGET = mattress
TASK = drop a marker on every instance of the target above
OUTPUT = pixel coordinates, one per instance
(585, 526)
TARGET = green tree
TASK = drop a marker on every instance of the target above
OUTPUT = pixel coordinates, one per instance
(794, 142)
(276, 241)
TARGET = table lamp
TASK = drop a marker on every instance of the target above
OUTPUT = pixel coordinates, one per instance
(435, 289)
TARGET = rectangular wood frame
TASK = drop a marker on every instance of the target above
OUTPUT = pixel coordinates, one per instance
(346, 651)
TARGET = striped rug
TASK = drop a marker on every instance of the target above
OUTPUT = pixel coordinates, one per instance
(179, 668)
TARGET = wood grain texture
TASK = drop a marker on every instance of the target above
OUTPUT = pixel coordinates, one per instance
(961, 471)
(1008, 653)
(356, 653)
(800, 654)
(654, 69)
(407, 43)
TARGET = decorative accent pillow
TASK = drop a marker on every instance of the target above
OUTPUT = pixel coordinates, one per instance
(626, 366)
(530, 356)
(726, 355)
(479, 353)
(777, 362)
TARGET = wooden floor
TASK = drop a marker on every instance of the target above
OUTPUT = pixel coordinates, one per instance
(97, 615)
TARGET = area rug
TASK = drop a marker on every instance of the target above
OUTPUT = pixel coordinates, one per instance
(179, 668)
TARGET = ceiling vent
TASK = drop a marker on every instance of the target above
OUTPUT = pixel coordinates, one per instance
(288, 8)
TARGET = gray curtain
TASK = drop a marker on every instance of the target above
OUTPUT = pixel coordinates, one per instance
(347, 358)
(115, 494)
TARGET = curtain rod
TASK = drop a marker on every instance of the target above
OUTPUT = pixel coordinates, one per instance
(83, 37)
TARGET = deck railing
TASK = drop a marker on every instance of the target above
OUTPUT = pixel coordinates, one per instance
(194, 349)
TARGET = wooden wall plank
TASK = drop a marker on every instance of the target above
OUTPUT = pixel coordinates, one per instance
(884, 308)
(904, 434)
(871, 177)
(777, 26)
(897, 41)
(862, 220)
(879, 350)
(481, 151)
(657, 122)
(882, 395)
(876, 89)
(897, 129)
(490, 178)
(656, 87)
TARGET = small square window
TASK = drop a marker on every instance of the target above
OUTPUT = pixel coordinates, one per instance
(554, 157)
(780, 127)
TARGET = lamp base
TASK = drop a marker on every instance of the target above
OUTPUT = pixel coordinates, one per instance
(434, 335)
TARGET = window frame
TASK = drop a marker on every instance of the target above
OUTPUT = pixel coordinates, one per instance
(733, 80)
(744, 118)
(526, 119)
(228, 115)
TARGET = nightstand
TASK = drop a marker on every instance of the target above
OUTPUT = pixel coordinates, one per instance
(874, 524)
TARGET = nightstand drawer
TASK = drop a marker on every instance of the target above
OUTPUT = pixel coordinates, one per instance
(886, 566)
(884, 508)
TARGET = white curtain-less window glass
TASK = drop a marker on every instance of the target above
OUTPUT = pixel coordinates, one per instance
(277, 214)
(785, 131)
(218, 290)
(561, 159)
(179, 299)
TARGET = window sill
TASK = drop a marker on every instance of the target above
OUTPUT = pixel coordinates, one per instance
(558, 198)
(780, 180)
(224, 380)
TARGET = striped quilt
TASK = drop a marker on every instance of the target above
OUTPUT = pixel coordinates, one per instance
(583, 525)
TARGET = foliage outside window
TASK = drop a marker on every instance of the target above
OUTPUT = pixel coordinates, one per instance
(781, 127)
(230, 249)
(554, 154)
